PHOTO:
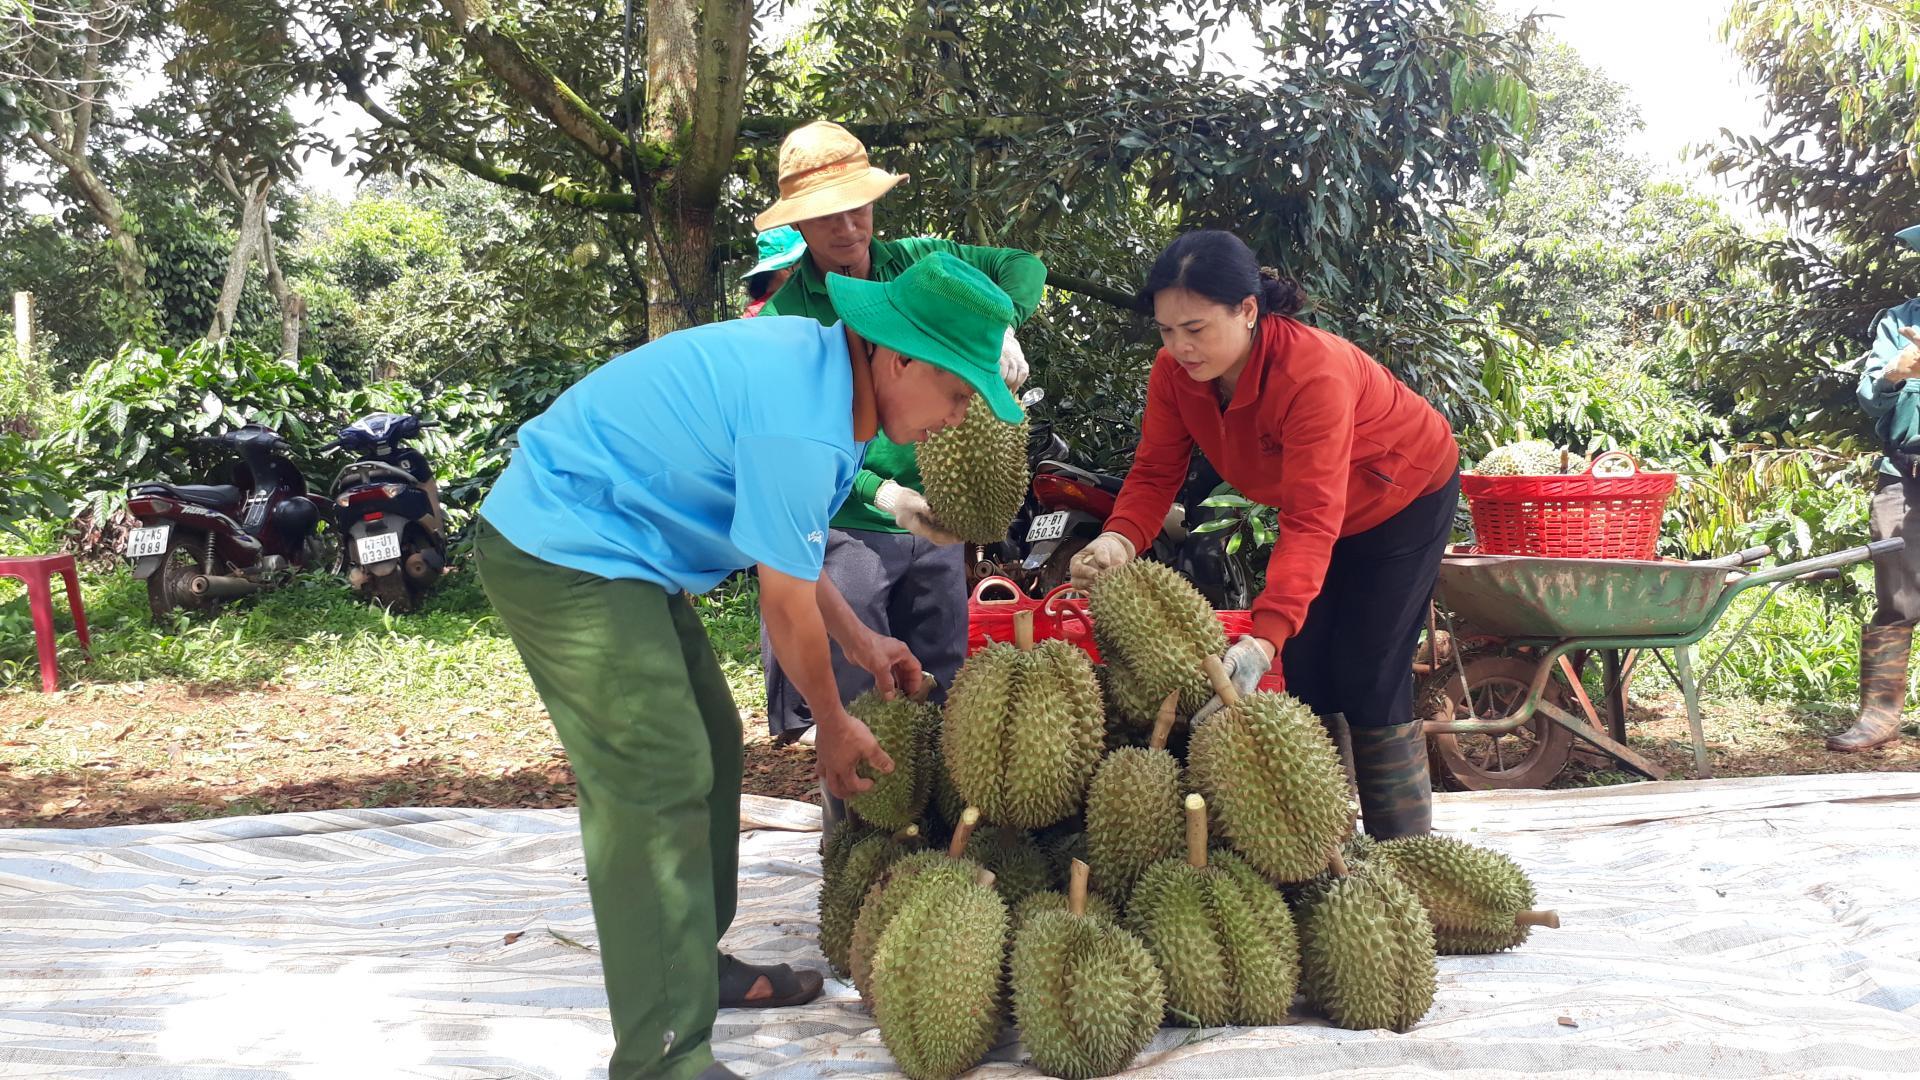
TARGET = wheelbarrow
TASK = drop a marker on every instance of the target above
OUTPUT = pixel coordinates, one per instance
(1547, 616)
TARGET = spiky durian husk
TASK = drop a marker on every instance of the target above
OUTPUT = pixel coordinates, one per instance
(1471, 893)
(937, 989)
(843, 890)
(1367, 951)
(1098, 907)
(1086, 993)
(904, 728)
(1223, 937)
(1019, 867)
(1156, 625)
(883, 900)
(975, 476)
(1274, 783)
(1133, 817)
(1022, 732)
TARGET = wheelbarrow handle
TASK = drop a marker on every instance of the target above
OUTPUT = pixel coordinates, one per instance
(1741, 558)
(1789, 571)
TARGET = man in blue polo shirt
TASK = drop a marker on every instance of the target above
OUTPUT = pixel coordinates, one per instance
(704, 452)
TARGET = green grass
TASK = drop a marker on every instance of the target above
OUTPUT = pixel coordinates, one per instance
(313, 634)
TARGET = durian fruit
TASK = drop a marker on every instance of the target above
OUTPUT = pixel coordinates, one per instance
(975, 476)
(1529, 457)
(1355, 852)
(1274, 780)
(1133, 809)
(1062, 844)
(904, 727)
(1479, 901)
(1023, 729)
(1367, 950)
(1153, 623)
(1129, 699)
(1086, 993)
(1097, 906)
(937, 977)
(1222, 935)
(844, 884)
(890, 891)
(1020, 868)
(944, 805)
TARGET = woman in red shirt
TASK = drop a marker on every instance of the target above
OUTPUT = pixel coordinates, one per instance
(1363, 472)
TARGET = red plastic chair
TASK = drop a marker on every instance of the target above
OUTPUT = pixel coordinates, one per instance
(37, 571)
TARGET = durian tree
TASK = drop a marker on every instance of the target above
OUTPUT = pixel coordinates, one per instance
(1842, 82)
(1084, 131)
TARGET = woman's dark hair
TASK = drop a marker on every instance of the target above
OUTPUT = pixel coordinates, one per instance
(1221, 267)
(759, 285)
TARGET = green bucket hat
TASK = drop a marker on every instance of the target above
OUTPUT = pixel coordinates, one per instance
(778, 249)
(943, 312)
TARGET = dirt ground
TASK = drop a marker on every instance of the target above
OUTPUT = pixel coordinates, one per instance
(114, 755)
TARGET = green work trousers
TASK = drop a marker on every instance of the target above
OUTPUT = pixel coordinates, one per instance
(627, 674)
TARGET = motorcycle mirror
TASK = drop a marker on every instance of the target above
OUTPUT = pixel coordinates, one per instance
(1033, 396)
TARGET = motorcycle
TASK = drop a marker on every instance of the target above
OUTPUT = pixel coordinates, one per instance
(386, 507)
(196, 545)
(1068, 506)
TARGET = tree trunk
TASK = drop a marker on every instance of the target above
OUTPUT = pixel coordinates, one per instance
(696, 61)
(253, 224)
(293, 306)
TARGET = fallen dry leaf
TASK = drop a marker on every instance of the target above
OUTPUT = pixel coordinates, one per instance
(516, 936)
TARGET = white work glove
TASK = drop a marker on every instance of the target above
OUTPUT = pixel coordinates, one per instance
(1905, 366)
(1246, 661)
(910, 511)
(1013, 361)
(1107, 551)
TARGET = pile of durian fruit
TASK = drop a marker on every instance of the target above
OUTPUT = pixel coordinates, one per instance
(1056, 847)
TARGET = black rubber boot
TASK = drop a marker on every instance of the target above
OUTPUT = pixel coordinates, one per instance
(1390, 768)
(1884, 651)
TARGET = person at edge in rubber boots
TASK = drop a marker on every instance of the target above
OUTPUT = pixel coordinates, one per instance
(1363, 472)
(1889, 391)
(900, 573)
(700, 453)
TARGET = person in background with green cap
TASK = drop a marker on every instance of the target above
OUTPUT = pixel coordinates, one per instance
(893, 565)
(778, 250)
(1890, 393)
(698, 454)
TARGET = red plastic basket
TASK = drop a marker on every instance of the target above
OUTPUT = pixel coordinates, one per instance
(1590, 515)
(1062, 613)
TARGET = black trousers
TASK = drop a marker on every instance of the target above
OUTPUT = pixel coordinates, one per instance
(1354, 652)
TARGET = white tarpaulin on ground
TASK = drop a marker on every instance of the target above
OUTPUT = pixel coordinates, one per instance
(1734, 928)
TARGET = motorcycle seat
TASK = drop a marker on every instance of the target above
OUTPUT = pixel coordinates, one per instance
(217, 496)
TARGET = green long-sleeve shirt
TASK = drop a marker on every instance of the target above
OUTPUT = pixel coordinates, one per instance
(1020, 274)
(1895, 407)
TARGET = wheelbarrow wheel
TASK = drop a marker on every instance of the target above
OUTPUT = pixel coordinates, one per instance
(1528, 757)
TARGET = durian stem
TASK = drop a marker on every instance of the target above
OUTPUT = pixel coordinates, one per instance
(1337, 864)
(1196, 832)
(928, 684)
(1077, 889)
(1023, 630)
(984, 879)
(1222, 682)
(969, 820)
(911, 832)
(1538, 918)
(1163, 723)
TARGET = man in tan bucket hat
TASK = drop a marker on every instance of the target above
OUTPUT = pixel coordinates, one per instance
(899, 574)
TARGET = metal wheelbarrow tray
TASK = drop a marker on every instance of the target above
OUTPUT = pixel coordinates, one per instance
(1561, 606)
